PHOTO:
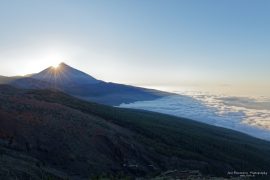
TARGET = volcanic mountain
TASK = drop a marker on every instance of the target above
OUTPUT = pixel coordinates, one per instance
(84, 86)
(64, 75)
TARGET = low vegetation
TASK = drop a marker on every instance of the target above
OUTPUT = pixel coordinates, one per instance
(75, 138)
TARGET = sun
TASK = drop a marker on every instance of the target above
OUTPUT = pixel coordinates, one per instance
(55, 65)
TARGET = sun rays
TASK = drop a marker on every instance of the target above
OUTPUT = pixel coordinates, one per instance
(55, 65)
(57, 75)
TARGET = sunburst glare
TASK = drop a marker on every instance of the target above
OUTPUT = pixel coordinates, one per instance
(55, 65)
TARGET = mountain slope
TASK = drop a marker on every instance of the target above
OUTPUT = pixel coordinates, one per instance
(82, 139)
(84, 86)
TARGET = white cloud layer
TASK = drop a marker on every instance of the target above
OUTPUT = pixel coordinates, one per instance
(247, 115)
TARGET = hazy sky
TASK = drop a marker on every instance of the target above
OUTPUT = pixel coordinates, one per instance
(200, 43)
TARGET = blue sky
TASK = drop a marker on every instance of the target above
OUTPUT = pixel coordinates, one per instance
(153, 42)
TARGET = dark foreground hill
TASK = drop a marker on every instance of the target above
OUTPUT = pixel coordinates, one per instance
(51, 135)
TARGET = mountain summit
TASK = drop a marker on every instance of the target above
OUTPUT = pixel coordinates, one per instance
(64, 75)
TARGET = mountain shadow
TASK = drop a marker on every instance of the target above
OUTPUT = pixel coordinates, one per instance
(84, 86)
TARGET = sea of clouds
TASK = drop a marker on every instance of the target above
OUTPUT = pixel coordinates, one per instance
(247, 115)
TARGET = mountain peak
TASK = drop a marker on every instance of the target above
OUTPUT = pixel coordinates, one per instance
(64, 74)
(56, 66)
(63, 64)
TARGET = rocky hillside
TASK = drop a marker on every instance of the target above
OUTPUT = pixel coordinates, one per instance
(51, 135)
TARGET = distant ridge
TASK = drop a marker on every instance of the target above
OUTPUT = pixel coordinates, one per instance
(6, 80)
